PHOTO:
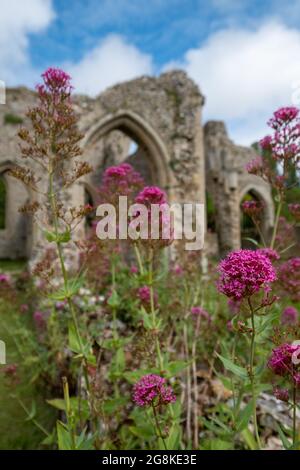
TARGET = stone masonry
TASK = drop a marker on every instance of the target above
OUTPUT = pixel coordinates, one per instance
(155, 124)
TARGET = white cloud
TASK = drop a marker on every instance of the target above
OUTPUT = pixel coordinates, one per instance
(112, 61)
(245, 75)
(17, 20)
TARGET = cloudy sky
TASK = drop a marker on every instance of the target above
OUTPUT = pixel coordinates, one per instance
(243, 54)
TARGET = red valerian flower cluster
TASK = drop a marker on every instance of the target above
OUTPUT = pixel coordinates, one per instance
(55, 81)
(285, 142)
(284, 361)
(153, 196)
(252, 208)
(120, 180)
(152, 390)
(244, 273)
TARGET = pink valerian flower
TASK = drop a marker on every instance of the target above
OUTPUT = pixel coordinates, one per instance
(244, 273)
(120, 180)
(178, 270)
(270, 253)
(283, 116)
(281, 394)
(289, 316)
(151, 390)
(255, 166)
(134, 269)
(56, 81)
(5, 278)
(266, 143)
(281, 361)
(252, 208)
(144, 295)
(151, 195)
(284, 144)
(294, 210)
(201, 312)
(154, 198)
(289, 278)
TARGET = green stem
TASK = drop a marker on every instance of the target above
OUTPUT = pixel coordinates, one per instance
(278, 212)
(139, 259)
(160, 434)
(65, 277)
(35, 422)
(153, 313)
(251, 374)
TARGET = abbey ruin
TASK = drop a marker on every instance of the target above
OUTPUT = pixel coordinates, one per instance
(155, 124)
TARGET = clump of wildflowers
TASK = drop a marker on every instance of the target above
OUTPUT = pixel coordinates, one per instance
(244, 273)
(151, 390)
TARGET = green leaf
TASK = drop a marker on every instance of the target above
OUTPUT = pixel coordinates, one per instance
(112, 405)
(235, 369)
(63, 437)
(114, 300)
(174, 437)
(74, 343)
(57, 403)
(175, 367)
(249, 439)
(219, 444)
(255, 242)
(244, 417)
(285, 442)
(63, 237)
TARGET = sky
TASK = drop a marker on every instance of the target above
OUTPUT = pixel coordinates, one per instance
(243, 54)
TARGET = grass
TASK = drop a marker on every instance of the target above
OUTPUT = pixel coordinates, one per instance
(16, 430)
(8, 265)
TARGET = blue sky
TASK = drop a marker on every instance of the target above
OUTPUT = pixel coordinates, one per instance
(243, 54)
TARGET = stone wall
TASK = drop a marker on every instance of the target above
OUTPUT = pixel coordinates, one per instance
(162, 117)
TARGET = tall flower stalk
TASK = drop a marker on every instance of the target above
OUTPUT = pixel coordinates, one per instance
(52, 146)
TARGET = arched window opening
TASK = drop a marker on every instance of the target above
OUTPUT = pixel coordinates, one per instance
(3, 196)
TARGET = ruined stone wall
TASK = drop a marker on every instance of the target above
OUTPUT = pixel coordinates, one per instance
(227, 181)
(162, 117)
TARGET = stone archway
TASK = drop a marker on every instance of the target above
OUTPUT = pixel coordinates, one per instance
(136, 128)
